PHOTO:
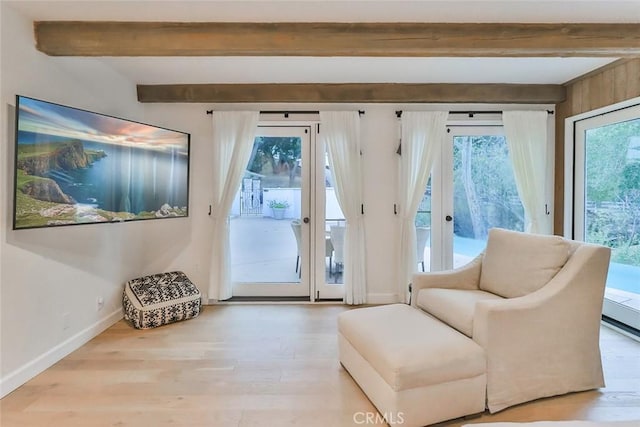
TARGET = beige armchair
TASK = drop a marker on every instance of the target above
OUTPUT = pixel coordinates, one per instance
(534, 304)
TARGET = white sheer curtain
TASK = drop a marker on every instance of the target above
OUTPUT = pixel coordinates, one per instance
(526, 133)
(340, 131)
(233, 135)
(423, 134)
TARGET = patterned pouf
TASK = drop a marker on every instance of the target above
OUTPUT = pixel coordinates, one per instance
(160, 299)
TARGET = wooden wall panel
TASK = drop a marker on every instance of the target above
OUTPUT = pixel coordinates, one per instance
(574, 101)
(585, 93)
(612, 84)
(620, 83)
(633, 78)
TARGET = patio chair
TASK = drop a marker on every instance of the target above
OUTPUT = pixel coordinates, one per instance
(328, 253)
(295, 226)
(422, 235)
(337, 240)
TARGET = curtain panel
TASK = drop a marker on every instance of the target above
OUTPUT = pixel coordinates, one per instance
(233, 135)
(526, 133)
(422, 135)
(340, 131)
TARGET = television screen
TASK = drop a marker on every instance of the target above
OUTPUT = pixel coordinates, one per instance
(78, 167)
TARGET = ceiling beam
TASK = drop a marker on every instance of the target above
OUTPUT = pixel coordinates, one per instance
(89, 38)
(353, 93)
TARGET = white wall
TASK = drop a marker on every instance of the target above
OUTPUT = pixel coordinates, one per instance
(49, 274)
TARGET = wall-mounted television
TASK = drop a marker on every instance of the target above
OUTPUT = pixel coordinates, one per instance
(74, 166)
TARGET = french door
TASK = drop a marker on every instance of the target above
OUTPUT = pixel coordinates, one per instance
(280, 242)
(472, 189)
(606, 203)
(269, 240)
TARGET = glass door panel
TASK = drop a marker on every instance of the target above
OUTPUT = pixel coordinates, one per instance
(607, 203)
(423, 230)
(474, 190)
(484, 192)
(270, 241)
(329, 233)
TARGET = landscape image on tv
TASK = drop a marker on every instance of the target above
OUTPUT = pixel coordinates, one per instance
(78, 167)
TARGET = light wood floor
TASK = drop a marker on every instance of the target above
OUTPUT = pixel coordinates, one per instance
(255, 365)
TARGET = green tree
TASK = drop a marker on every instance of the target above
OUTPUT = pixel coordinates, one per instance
(606, 156)
(630, 198)
(485, 193)
(280, 153)
(613, 189)
(630, 183)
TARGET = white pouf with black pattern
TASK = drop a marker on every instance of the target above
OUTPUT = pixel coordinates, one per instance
(160, 299)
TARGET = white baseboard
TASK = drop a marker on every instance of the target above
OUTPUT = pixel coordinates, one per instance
(372, 298)
(23, 374)
(382, 298)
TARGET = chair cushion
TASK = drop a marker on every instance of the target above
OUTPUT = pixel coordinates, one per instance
(516, 264)
(455, 307)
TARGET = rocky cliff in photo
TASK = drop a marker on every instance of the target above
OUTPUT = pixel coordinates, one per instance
(45, 189)
(40, 159)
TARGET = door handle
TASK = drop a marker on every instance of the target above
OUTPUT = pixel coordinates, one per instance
(305, 220)
(448, 218)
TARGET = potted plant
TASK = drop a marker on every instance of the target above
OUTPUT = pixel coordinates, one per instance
(278, 208)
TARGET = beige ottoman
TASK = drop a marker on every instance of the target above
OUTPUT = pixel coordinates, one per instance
(160, 299)
(415, 369)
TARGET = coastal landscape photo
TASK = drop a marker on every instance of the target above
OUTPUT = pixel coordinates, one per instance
(78, 167)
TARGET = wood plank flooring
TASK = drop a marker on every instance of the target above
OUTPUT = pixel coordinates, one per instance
(256, 365)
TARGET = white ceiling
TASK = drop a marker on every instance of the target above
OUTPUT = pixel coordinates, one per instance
(341, 69)
(353, 70)
(335, 10)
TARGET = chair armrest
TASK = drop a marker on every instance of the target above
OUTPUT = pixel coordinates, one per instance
(546, 343)
(465, 277)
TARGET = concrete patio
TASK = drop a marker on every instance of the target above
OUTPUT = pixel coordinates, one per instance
(264, 250)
